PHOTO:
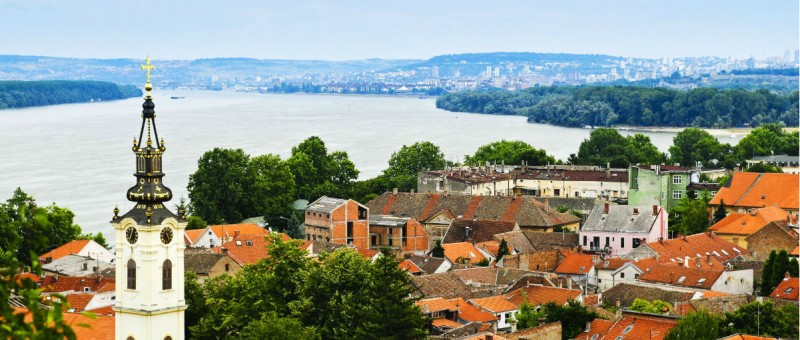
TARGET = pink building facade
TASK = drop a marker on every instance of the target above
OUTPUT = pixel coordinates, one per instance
(615, 230)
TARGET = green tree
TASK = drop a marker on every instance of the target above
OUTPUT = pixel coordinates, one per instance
(438, 250)
(406, 163)
(272, 189)
(573, 317)
(766, 274)
(779, 269)
(195, 301)
(318, 173)
(392, 314)
(693, 145)
(605, 145)
(763, 318)
(763, 168)
(510, 152)
(527, 316)
(217, 190)
(639, 149)
(46, 322)
(502, 250)
(196, 222)
(700, 325)
(720, 213)
(273, 327)
(690, 216)
(655, 307)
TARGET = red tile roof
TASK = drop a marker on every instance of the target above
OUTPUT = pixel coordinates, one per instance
(71, 247)
(597, 327)
(445, 323)
(749, 223)
(495, 304)
(692, 245)
(575, 263)
(107, 310)
(247, 249)
(787, 289)
(540, 295)
(194, 234)
(471, 313)
(436, 305)
(411, 267)
(632, 326)
(747, 337)
(229, 230)
(32, 276)
(682, 276)
(612, 263)
(99, 327)
(748, 189)
(462, 250)
(75, 283)
(78, 302)
(367, 253)
(795, 251)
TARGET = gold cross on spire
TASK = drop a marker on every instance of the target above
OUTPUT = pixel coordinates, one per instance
(147, 67)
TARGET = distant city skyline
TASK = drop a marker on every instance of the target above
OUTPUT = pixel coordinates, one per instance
(350, 30)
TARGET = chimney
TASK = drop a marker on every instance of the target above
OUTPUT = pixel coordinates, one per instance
(588, 326)
(605, 208)
(636, 211)
(686, 262)
(569, 283)
(608, 169)
(655, 210)
(547, 204)
(708, 259)
(488, 337)
(236, 234)
(224, 250)
(466, 233)
(786, 276)
(394, 191)
(411, 191)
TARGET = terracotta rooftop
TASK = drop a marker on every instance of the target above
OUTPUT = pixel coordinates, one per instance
(76, 284)
(248, 248)
(463, 251)
(427, 264)
(479, 230)
(682, 276)
(493, 247)
(409, 266)
(229, 230)
(78, 302)
(527, 212)
(698, 244)
(612, 263)
(738, 336)
(495, 304)
(795, 251)
(447, 285)
(193, 235)
(540, 295)
(436, 305)
(597, 327)
(749, 189)
(99, 327)
(471, 313)
(483, 336)
(107, 310)
(200, 260)
(641, 326)
(787, 289)
(749, 223)
(71, 247)
(490, 275)
(576, 264)
(626, 293)
(445, 323)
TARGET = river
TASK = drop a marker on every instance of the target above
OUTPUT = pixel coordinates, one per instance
(79, 155)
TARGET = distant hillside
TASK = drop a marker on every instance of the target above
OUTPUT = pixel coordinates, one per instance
(180, 72)
(19, 94)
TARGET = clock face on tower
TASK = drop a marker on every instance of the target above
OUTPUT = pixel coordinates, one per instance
(132, 235)
(166, 235)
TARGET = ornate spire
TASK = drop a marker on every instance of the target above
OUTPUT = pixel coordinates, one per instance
(149, 192)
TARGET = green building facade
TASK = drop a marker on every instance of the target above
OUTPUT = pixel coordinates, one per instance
(662, 185)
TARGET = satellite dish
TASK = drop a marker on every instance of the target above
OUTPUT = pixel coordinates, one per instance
(300, 204)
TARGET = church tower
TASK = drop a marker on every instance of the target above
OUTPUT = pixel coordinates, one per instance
(149, 244)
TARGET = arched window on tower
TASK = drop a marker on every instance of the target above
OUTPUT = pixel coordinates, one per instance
(166, 275)
(156, 164)
(131, 274)
(140, 164)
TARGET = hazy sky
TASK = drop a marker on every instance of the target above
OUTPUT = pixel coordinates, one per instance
(341, 30)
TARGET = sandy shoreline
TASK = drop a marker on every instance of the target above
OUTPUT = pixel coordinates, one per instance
(714, 132)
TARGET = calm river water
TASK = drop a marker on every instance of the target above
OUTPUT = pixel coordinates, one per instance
(79, 155)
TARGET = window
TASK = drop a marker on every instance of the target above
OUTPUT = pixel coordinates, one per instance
(131, 274)
(676, 179)
(680, 280)
(607, 241)
(788, 290)
(636, 242)
(85, 266)
(167, 337)
(622, 275)
(663, 195)
(635, 276)
(676, 194)
(584, 240)
(227, 267)
(166, 275)
(700, 282)
(627, 329)
(249, 243)
(621, 242)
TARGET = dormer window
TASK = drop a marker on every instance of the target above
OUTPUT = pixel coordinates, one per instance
(681, 279)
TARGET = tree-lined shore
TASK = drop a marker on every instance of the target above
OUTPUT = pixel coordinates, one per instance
(20, 94)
